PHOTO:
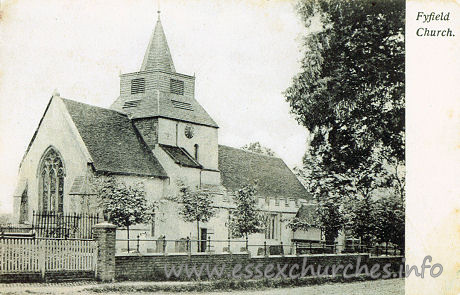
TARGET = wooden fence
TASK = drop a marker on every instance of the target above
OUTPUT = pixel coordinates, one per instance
(42, 255)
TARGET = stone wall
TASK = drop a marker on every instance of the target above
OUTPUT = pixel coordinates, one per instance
(152, 267)
(50, 276)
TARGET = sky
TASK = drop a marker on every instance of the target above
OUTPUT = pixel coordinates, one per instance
(244, 55)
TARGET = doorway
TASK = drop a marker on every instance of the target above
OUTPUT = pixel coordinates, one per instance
(203, 238)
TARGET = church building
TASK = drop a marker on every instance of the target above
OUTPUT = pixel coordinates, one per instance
(157, 133)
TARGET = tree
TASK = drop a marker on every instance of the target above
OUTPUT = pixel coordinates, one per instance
(345, 200)
(124, 205)
(360, 219)
(256, 147)
(359, 198)
(390, 223)
(195, 206)
(350, 93)
(330, 218)
(299, 223)
(246, 218)
(350, 96)
(327, 190)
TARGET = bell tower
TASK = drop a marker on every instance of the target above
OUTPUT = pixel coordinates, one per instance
(162, 105)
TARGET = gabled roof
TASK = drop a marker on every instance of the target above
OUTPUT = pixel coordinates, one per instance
(112, 141)
(157, 56)
(171, 106)
(180, 156)
(274, 179)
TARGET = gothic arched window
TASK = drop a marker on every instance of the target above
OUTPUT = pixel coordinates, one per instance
(52, 182)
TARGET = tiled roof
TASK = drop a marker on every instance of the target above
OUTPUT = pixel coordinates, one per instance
(112, 141)
(180, 156)
(158, 56)
(274, 179)
(148, 107)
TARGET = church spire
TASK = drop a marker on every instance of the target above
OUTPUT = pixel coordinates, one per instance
(157, 56)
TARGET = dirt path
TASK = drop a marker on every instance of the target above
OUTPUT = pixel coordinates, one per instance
(380, 287)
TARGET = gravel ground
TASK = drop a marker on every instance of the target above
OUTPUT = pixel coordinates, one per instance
(380, 287)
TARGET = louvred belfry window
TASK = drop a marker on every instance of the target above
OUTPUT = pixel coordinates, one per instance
(176, 86)
(52, 182)
(137, 85)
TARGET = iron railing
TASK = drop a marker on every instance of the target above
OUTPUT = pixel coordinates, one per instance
(188, 246)
(59, 225)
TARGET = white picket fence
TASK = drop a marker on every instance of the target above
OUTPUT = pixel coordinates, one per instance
(42, 255)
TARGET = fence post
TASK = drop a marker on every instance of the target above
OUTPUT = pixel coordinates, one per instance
(104, 234)
(137, 244)
(164, 246)
(282, 248)
(265, 248)
(42, 257)
(209, 244)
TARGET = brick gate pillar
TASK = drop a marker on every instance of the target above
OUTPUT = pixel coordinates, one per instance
(104, 234)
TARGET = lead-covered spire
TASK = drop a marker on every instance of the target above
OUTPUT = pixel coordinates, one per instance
(157, 56)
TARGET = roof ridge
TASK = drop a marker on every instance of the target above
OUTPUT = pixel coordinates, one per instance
(94, 106)
(251, 152)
